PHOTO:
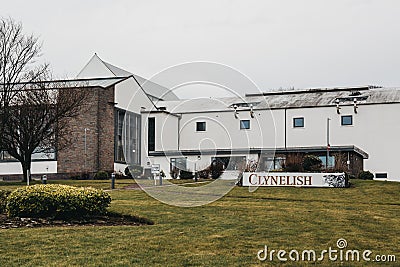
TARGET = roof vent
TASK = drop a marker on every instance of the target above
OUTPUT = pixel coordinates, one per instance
(162, 108)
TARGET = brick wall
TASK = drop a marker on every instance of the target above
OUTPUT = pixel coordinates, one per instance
(98, 120)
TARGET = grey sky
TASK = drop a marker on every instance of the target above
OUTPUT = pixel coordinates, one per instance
(283, 43)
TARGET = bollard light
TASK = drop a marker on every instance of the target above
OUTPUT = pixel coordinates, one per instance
(112, 180)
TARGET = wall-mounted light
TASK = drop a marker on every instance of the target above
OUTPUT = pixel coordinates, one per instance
(337, 101)
(251, 111)
(355, 105)
(236, 112)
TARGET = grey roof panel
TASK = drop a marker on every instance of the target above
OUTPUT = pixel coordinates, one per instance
(149, 87)
(292, 99)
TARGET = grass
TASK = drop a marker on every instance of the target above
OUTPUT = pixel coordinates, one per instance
(228, 232)
(99, 184)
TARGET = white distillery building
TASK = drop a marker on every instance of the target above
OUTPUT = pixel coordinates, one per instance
(267, 128)
(364, 128)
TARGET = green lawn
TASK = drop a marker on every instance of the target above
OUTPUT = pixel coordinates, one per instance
(228, 232)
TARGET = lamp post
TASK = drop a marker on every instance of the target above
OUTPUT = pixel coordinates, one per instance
(328, 146)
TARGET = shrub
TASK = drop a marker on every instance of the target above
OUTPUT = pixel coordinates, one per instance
(366, 175)
(312, 163)
(3, 199)
(293, 163)
(80, 176)
(217, 168)
(251, 166)
(205, 173)
(101, 175)
(186, 174)
(57, 201)
(174, 172)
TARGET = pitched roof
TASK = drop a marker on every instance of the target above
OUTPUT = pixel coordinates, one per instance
(96, 67)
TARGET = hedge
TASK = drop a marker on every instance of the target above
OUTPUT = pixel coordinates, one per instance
(57, 201)
(3, 199)
(366, 175)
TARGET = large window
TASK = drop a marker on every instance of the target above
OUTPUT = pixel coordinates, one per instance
(298, 122)
(245, 124)
(201, 126)
(347, 120)
(119, 149)
(151, 134)
(271, 163)
(127, 137)
(331, 161)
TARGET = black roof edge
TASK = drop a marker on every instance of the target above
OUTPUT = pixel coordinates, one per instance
(73, 80)
(316, 149)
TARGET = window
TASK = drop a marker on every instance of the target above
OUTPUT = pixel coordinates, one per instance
(347, 120)
(331, 161)
(119, 125)
(127, 137)
(244, 124)
(381, 175)
(298, 122)
(151, 134)
(271, 163)
(201, 126)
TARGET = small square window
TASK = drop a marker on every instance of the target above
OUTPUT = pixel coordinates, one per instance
(201, 126)
(347, 120)
(244, 124)
(298, 122)
(381, 175)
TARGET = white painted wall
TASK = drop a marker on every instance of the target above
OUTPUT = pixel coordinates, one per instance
(129, 96)
(375, 129)
(38, 167)
(223, 130)
(119, 167)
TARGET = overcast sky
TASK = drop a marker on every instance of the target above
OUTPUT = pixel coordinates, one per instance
(283, 43)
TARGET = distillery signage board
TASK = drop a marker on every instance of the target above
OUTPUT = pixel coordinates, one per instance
(294, 179)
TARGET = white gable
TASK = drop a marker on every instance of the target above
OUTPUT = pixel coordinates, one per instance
(95, 68)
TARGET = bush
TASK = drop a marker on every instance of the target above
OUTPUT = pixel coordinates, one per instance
(3, 199)
(366, 175)
(174, 172)
(57, 201)
(312, 163)
(293, 163)
(204, 174)
(217, 168)
(186, 174)
(101, 175)
(81, 176)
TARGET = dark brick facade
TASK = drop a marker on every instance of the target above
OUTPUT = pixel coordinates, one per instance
(97, 117)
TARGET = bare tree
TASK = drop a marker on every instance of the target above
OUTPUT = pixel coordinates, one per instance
(34, 110)
(18, 55)
(38, 119)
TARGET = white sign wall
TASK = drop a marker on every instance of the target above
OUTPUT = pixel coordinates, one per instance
(294, 179)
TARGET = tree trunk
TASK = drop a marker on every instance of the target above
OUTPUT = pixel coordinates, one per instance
(26, 166)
